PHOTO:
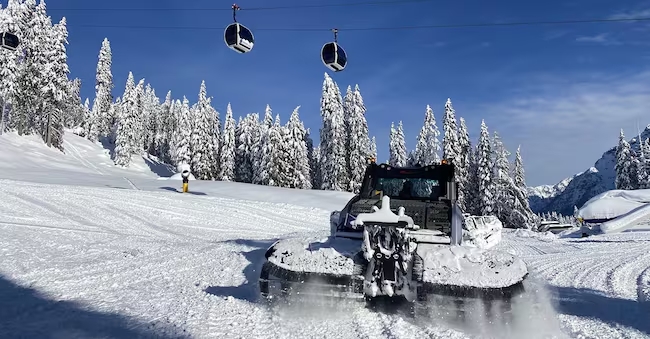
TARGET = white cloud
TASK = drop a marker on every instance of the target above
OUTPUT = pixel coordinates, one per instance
(596, 38)
(565, 123)
(642, 13)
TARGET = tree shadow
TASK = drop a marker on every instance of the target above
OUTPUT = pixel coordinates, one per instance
(172, 189)
(248, 291)
(594, 304)
(109, 145)
(26, 313)
(159, 168)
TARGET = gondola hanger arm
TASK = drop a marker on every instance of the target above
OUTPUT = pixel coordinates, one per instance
(235, 8)
(336, 34)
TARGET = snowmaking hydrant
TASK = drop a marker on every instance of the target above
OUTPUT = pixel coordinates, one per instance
(185, 174)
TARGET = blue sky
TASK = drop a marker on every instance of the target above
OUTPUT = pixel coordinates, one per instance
(561, 91)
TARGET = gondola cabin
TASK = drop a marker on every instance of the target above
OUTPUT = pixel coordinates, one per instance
(9, 41)
(334, 56)
(239, 38)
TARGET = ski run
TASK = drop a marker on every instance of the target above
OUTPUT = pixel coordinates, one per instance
(90, 255)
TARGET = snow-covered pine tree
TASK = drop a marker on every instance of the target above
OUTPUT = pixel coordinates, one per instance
(518, 174)
(357, 139)
(260, 168)
(216, 139)
(503, 201)
(168, 129)
(484, 170)
(227, 162)
(102, 122)
(127, 125)
(75, 107)
(86, 116)
(56, 87)
(311, 158)
(373, 148)
(156, 125)
(398, 153)
(275, 158)
(246, 136)
(522, 215)
(428, 145)
(138, 111)
(123, 138)
(114, 111)
(332, 140)
(203, 152)
(348, 106)
(393, 157)
(297, 155)
(183, 134)
(175, 112)
(463, 165)
(239, 160)
(450, 146)
(29, 103)
(623, 164)
(634, 166)
(315, 168)
(151, 109)
(646, 163)
(9, 62)
(642, 170)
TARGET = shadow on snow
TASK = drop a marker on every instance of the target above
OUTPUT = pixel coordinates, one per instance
(173, 189)
(249, 290)
(588, 303)
(26, 313)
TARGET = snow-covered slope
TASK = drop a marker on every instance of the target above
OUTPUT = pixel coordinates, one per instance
(582, 186)
(86, 163)
(28, 157)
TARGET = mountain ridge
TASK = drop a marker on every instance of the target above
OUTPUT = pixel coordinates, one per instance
(577, 189)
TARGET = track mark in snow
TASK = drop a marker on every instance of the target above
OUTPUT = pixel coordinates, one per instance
(620, 279)
(133, 186)
(75, 153)
(71, 209)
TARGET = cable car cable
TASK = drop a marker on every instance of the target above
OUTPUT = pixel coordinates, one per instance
(469, 25)
(351, 4)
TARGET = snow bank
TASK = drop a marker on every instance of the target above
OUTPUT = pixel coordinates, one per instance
(611, 204)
